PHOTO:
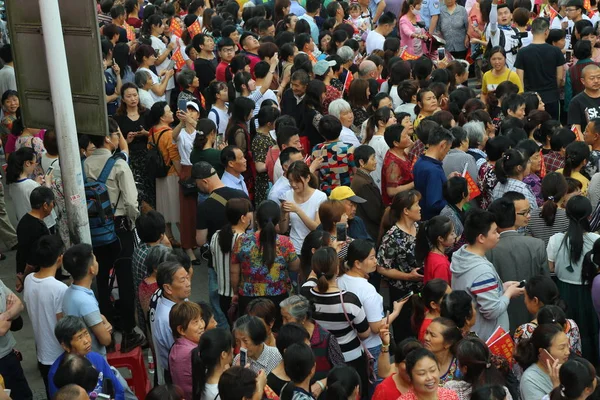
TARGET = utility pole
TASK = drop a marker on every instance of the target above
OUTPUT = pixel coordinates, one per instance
(64, 117)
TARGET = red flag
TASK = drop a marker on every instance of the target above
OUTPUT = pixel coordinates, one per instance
(587, 5)
(405, 55)
(501, 344)
(347, 82)
(552, 12)
(542, 166)
(473, 188)
(178, 58)
(130, 32)
(175, 27)
(194, 29)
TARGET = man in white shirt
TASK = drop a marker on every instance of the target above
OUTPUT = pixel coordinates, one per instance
(312, 9)
(235, 165)
(43, 296)
(261, 70)
(176, 287)
(282, 185)
(7, 73)
(376, 37)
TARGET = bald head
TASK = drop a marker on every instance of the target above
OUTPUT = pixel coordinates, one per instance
(71, 392)
(590, 77)
(367, 69)
(589, 69)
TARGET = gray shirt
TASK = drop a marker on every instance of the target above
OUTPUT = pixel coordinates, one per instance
(454, 27)
(535, 383)
(455, 161)
(7, 342)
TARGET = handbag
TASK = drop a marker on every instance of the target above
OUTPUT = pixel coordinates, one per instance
(370, 358)
(188, 187)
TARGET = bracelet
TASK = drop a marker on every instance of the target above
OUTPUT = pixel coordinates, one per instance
(321, 385)
(385, 350)
(385, 346)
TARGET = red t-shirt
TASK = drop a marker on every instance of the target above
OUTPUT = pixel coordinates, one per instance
(395, 172)
(135, 22)
(437, 266)
(220, 73)
(423, 329)
(271, 160)
(387, 389)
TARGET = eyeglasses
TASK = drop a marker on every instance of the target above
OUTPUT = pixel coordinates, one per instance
(524, 213)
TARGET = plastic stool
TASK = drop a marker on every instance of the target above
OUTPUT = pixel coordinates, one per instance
(134, 361)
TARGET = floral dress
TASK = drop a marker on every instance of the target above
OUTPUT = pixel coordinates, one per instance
(487, 183)
(571, 330)
(360, 115)
(535, 183)
(38, 146)
(331, 94)
(260, 146)
(397, 251)
(257, 279)
(452, 373)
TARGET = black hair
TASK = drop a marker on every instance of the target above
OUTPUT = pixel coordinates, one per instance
(358, 250)
(285, 154)
(457, 306)
(207, 312)
(39, 196)
(506, 167)
(478, 222)
(433, 291)
(427, 238)
(561, 139)
(439, 135)
(546, 291)
(207, 357)
(460, 135)
(589, 267)
(235, 209)
(575, 376)
(363, 153)
(342, 380)
(424, 129)
(76, 369)
(267, 217)
(489, 392)
(404, 348)
(555, 35)
(455, 189)
(78, 259)
(415, 356)
(16, 163)
(47, 250)
(381, 115)
(545, 131)
(240, 109)
(392, 134)
(473, 354)
(325, 264)
(512, 102)
(253, 327)
(576, 153)
(552, 315)
(527, 351)
(298, 362)
(330, 127)
(150, 226)
(237, 382)
(289, 334)
(504, 212)
(554, 188)
(496, 147)
(578, 209)
(314, 240)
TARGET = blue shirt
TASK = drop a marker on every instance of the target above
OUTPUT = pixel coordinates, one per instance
(100, 365)
(429, 180)
(81, 302)
(372, 9)
(297, 9)
(429, 8)
(314, 29)
(235, 183)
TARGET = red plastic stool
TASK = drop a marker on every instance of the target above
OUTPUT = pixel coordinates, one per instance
(134, 361)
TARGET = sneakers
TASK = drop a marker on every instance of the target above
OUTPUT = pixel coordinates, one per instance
(132, 340)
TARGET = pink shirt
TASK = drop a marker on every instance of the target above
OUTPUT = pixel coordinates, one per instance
(406, 30)
(180, 365)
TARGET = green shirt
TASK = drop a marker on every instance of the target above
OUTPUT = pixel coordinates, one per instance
(211, 156)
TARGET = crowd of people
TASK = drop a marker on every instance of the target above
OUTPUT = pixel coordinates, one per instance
(309, 156)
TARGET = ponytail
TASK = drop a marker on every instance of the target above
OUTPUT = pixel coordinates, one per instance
(342, 381)
(16, 163)
(207, 356)
(235, 209)
(267, 216)
(146, 29)
(575, 154)
(433, 291)
(325, 265)
(507, 165)
(428, 234)
(381, 115)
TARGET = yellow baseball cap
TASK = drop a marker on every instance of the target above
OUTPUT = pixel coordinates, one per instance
(345, 193)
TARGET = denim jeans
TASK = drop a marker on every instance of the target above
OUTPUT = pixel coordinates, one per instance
(375, 351)
(213, 295)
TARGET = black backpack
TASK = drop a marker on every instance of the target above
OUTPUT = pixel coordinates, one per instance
(485, 65)
(155, 162)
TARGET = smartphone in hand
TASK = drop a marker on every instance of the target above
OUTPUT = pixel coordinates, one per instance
(545, 356)
(340, 232)
(243, 357)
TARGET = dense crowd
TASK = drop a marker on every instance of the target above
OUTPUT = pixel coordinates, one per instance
(309, 156)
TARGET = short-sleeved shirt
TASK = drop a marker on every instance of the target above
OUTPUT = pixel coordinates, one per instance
(454, 27)
(437, 266)
(429, 8)
(167, 147)
(491, 81)
(80, 302)
(558, 253)
(582, 109)
(397, 251)
(185, 143)
(535, 383)
(396, 172)
(7, 342)
(337, 166)
(298, 230)
(539, 63)
(258, 279)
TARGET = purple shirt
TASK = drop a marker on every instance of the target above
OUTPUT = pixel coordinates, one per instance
(180, 364)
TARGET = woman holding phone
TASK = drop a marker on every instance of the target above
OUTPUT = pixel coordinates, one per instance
(541, 357)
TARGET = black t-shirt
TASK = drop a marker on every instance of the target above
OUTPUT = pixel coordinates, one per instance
(205, 71)
(211, 213)
(539, 63)
(29, 230)
(582, 109)
(127, 125)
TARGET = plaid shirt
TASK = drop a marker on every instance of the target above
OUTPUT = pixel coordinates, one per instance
(137, 263)
(267, 361)
(554, 160)
(513, 185)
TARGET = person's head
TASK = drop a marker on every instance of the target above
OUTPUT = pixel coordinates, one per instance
(513, 164)
(540, 27)
(299, 83)
(174, 280)
(79, 261)
(214, 350)
(476, 134)
(556, 37)
(514, 106)
(205, 176)
(429, 300)
(577, 380)
(264, 309)
(350, 200)
(504, 213)
(296, 309)
(414, 6)
(364, 157)
(489, 392)
(576, 156)
(42, 200)
(358, 94)
(73, 335)
(405, 206)
(185, 320)
(150, 226)
(300, 177)
(291, 333)
(332, 212)
(239, 383)
(250, 333)
(48, 251)
(160, 114)
(442, 335)
(423, 371)
(554, 189)
(325, 265)
(249, 42)
(77, 370)
(361, 257)
(436, 234)
(427, 102)
(458, 306)
(298, 363)
(541, 291)
(591, 135)
(456, 190)
(233, 160)
(574, 9)
(165, 392)
(10, 101)
(330, 127)
(203, 43)
(440, 141)
(549, 337)
(72, 391)
(386, 23)
(226, 49)
(590, 77)
(522, 210)
(481, 229)
(22, 161)
(342, 110)
(475, 363)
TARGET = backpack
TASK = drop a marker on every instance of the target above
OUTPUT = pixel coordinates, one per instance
(155, 162)
(486, 66)
(100, 211)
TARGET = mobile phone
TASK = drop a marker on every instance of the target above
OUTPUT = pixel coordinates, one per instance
(441, 53)
(182, 105)
(545, 356)
(108, 388)
(568, 55)
(387, 317)
(243, 357)
(406, 296)
(171, 65)
(49, 170)
(340, 232)
(522, 283)
(474, 21)
(219, 140)
(421, 271)
(281, 201)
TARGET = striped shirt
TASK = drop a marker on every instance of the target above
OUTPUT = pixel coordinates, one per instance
(538, 229)
(221, 262)
(330, 315)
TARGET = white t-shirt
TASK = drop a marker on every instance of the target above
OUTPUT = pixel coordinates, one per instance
(185, 142)
(159, 46)
(310, 207)
(372, 302)
(220, 118)
(277, 170)
(155, 81)
(146, 98)
(378, 143)
(211, 392)
(19, 193)
(44, 299)
(348, 136)
(558, 253)
(49, 161)
(269, 94)
(374, 41)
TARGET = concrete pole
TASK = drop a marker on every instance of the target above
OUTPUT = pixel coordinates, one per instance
(64, 120)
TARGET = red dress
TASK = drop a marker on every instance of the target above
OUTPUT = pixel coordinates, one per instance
(395, 172)
(443, 394)
(387, 389)
(436, 266)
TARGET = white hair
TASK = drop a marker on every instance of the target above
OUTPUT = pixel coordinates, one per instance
(475, 133)
(337, 107)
